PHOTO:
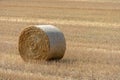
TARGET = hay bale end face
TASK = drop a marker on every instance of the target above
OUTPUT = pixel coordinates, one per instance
(41, 42)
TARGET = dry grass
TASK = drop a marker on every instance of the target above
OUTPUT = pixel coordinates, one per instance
(91, 28)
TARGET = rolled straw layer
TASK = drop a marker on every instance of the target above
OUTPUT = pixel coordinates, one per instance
(41, 42)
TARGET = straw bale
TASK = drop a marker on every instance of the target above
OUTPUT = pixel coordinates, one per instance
(41, 42)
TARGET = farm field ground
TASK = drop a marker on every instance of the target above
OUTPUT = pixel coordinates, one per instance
(92, 32)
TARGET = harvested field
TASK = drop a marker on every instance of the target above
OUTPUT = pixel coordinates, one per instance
(92, 32)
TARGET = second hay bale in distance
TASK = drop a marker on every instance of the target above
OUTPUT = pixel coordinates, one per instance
(42, 42)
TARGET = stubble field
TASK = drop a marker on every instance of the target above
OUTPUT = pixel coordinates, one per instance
(92, 32)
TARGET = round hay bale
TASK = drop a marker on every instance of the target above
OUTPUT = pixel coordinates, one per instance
(41, 42)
